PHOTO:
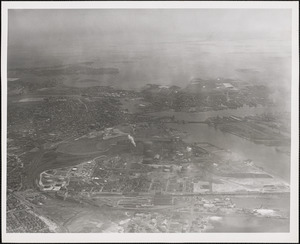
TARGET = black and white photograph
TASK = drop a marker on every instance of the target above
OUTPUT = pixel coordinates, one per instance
(150, 121)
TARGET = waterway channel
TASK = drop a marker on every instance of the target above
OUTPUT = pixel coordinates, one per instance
(272, 161)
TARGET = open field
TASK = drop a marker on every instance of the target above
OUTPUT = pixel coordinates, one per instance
(84, 146)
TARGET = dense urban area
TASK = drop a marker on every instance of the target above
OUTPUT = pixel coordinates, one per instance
(105, 159)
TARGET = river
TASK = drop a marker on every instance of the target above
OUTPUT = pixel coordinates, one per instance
(201, 116)
(274, 162)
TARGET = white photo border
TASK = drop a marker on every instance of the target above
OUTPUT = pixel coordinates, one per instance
(292, 236)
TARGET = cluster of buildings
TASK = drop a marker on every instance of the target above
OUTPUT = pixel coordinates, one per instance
(165, 222)
(21, 218)
(204, 95)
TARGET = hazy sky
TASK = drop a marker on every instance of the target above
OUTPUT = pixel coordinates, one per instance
(66, 27)
(227, 40)
(230, 39)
